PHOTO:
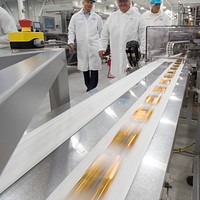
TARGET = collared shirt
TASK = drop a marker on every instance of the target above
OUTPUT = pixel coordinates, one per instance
(87, 14)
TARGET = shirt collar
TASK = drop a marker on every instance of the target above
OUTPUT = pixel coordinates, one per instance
(85, 12)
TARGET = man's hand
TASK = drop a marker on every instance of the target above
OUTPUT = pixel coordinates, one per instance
(101, 53)
(72, 46)
(142, 56)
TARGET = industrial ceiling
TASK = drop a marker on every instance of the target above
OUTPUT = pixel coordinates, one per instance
(142, 5)
(171, 5)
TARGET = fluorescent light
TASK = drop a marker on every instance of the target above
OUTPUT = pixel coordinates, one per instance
(164, 7)
(141, 8)
(112, 5)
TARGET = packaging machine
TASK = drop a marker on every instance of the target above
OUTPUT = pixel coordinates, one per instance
(68, 148)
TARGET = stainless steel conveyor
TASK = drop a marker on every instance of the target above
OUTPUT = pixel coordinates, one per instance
(96, 116)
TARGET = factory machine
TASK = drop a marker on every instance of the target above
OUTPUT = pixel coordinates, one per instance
(110, 146)
(26, 39)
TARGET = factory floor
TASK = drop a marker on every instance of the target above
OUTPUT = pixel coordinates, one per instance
(181, 165)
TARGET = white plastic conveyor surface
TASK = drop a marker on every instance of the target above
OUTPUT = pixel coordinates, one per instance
(130, 163)
(53, 133)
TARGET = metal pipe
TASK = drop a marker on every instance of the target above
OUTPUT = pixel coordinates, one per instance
(21, 9)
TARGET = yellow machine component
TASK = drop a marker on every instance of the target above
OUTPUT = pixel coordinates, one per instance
(26, 39)
(25, 36)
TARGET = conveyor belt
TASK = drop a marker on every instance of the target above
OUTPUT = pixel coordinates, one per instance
(48, 133)
(141, 119)
(49, 167)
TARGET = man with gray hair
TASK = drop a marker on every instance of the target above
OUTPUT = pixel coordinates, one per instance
(122, 26)
(85, 27)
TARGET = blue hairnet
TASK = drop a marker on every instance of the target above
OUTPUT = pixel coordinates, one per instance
(155, 1)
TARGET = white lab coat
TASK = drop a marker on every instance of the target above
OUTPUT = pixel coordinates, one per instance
(7, 24)
(86, 32)
(119, 29)
(156, 19)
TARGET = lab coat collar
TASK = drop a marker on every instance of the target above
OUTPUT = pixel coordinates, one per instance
(127, 12)
(155, 14)
(82, 11)
(91, 17)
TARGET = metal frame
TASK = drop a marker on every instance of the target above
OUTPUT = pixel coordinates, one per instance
(23, 87)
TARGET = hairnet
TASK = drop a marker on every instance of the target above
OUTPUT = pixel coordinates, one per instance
(155, 1)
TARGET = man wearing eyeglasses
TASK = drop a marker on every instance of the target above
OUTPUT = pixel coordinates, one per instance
(122, 26)
(155, 17)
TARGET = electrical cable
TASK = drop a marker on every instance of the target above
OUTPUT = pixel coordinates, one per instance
(183, 149)
(41, 43)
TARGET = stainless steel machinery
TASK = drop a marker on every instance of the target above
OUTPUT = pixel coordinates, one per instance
(67, 145)
(23, 87)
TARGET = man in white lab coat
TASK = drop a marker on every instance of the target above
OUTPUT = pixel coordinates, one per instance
(85, 27)
(155, 17)
(122, 26)
(7, 25)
